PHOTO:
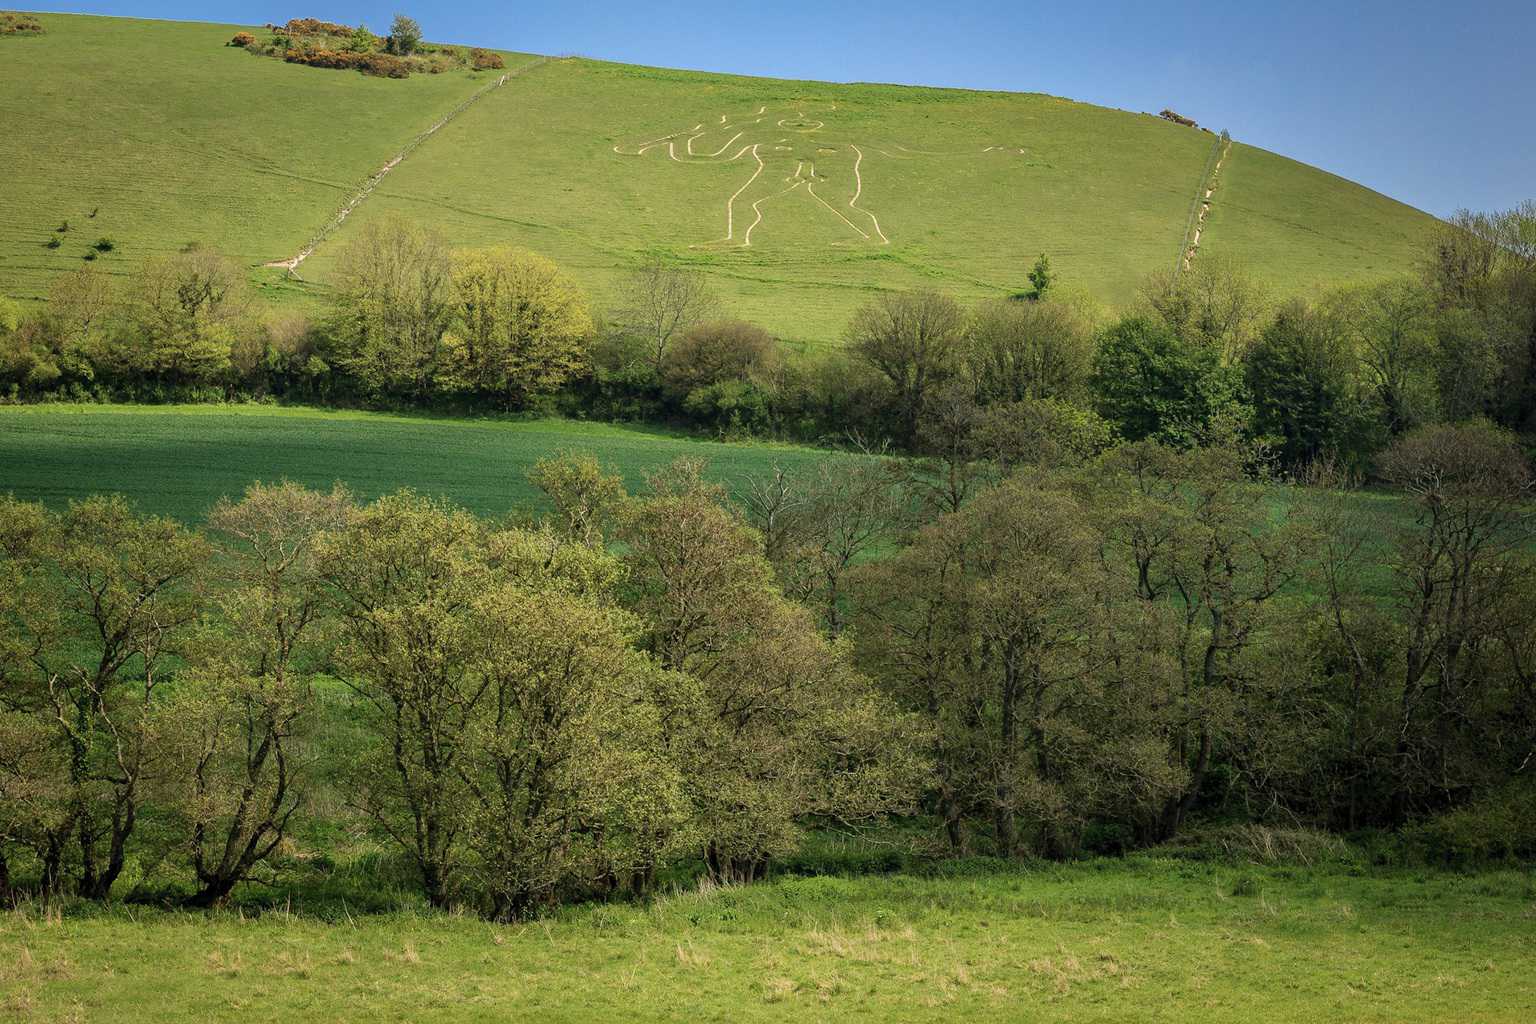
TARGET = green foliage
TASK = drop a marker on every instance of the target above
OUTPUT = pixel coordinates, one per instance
(777, 723)
(1018, 351)
(586, 500)
(914, 340)
(1040, 278)
(362, 40)
(1303, 379)
(519, 329)
(100, 600)
(404, 36)
(1042, 432)
(187, 312)
(1152, 384)
(1500, 827)
(246, 707)
(393, 304)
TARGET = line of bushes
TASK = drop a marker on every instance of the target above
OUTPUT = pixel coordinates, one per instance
(1323, 387)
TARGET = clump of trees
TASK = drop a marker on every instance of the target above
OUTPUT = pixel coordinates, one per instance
(530, 716)
(325, 44)
(1086, 652)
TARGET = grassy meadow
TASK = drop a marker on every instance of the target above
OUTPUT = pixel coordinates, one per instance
(842, 190)
(179, 460)
(1144, 939)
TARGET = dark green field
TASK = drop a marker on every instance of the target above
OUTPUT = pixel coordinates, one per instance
(179, 460)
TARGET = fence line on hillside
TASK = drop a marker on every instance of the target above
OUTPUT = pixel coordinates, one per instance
(1202, 202)
(372, 182)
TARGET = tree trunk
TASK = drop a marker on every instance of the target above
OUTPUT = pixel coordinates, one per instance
(52, 881)
(213, 893)
(433, 884)
(1003, 818)
(1180, 806)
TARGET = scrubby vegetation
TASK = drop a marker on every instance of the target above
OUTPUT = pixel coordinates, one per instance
(324, 44)
(19, 24)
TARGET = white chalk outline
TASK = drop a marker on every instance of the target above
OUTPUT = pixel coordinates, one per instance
(802, 125)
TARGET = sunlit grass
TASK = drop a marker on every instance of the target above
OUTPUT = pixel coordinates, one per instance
(1145, 940)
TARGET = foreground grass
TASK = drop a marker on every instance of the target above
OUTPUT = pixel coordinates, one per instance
(179, 460)
(1147, 940)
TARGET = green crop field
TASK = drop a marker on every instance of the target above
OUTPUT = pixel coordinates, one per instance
(1143, 940)
(800, 199)
(179, 460)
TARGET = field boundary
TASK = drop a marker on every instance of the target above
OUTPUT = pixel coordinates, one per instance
(372, 182)
(1189, 244)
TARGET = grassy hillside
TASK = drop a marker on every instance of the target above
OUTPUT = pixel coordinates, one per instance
(1142, 940)
(799, 198)
(172, 138)
(179, 460)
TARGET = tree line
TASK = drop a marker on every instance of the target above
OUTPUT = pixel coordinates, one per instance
(1068, 652)
(412, 322)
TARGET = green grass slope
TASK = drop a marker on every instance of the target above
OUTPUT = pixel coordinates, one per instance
(1141, 940)
(179, 460)
(173, 138)
(1307, 229)
(801, 199)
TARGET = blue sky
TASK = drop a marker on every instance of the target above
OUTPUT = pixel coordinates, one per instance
(1433, 103)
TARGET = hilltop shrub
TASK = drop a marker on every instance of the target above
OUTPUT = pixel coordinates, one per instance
(314, 27)
(242, 40)
(404, 36)
(485, 60)
(20, 25)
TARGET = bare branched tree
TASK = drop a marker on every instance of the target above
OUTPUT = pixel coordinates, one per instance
(658, 302)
